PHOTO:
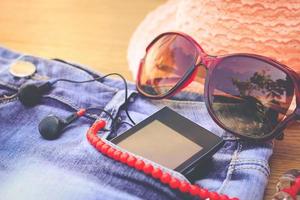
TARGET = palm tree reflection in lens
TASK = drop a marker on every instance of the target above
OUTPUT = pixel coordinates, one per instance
(257, 106)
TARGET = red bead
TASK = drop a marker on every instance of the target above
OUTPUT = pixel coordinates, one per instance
(148, 168)
(184, 186)
(123, 157)
(104, 148)
(224, 197)
(89, 137)
(156, 173)
(203, 193)
(174, 183)
(94, 140)
(214, 196)
(99, 125)
(92, 137)
(139, 164)
(92, 129)
(110, 152)
(99, 144)
(194, 190)
(165, 178)
(131, 161)
(89, 132)
(117, 155)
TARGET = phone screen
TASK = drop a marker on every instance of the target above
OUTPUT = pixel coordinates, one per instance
(161, 144)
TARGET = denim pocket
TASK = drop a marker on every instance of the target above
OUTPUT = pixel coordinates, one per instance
(140, 108)
(116, 108)
(236, 163)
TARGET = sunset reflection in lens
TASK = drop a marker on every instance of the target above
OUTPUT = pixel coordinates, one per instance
(166, 63)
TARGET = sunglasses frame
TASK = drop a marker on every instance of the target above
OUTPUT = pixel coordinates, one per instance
(210, 63)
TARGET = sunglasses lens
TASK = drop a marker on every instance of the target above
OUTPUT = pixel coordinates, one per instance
(249, 96)
(168, 60)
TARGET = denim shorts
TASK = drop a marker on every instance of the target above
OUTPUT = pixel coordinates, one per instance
(70, 168)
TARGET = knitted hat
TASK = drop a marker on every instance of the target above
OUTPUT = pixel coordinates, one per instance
(266, 27)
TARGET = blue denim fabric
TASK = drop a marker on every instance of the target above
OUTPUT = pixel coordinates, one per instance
(70, 168)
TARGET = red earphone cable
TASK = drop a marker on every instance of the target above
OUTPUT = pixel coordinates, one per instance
(81, 112)
(140, 165)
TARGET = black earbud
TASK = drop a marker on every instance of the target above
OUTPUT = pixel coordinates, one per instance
(31, 94)
(51, 126)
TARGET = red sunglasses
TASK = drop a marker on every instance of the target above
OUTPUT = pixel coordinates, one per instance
(251, 96)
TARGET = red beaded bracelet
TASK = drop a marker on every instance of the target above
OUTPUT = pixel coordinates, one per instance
(140, 165)
(294, 189)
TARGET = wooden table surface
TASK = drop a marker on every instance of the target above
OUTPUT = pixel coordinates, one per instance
(96, 33)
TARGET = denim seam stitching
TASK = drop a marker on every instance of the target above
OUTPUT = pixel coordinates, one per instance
(257, 165)
(231, 168)
(57, 98)
(228, 138)
(8, 100)
(63, 100)
(70, 104)
(255, 161)
(263, 163)
(10, 86)
(252, 160)
(254, 168)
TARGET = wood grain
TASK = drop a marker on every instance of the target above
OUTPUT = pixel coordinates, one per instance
(96, 33)
(93, 32)
(285, 157)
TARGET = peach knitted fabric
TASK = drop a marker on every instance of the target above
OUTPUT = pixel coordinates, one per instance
(267, 27)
